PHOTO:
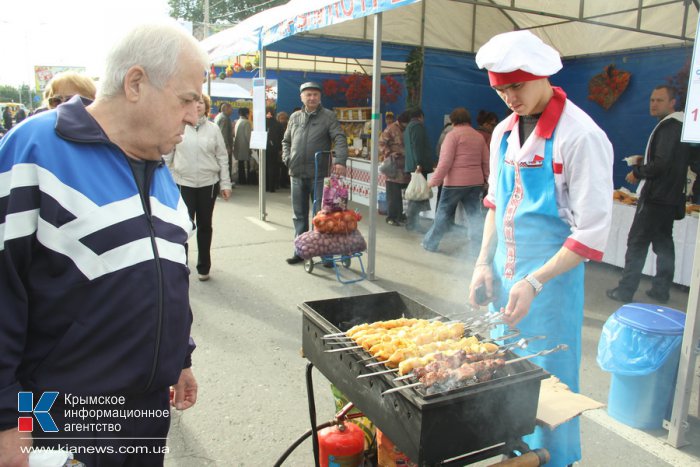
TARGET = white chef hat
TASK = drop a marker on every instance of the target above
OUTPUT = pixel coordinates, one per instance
(517, 56)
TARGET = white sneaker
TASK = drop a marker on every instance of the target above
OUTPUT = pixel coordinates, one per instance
(204, 277)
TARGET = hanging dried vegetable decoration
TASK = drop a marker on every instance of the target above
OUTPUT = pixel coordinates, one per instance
(606, 87)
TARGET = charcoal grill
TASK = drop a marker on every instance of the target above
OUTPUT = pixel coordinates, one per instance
(485, 418)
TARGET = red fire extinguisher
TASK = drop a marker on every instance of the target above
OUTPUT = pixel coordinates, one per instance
(341, 445)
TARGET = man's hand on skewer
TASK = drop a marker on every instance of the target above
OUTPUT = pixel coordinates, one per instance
(519, 300)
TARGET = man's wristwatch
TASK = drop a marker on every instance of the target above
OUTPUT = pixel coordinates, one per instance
(537, 285)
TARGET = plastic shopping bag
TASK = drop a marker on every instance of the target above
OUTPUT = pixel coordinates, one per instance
(389, 168)
(335, 194)
(418, 189)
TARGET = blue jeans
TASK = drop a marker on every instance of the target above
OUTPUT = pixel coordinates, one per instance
(302, 190)
(450, 198)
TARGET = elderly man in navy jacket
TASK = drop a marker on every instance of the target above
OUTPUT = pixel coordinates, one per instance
(93, 277)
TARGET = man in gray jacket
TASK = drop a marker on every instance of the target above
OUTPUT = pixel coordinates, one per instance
(241, 146)
(310, 130)
(223, 119)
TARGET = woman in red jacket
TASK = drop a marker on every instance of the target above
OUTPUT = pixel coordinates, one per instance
(463, 169)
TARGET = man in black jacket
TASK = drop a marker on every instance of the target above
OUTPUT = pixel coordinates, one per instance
(663, 175)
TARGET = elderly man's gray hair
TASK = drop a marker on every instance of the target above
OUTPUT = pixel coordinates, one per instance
(156, 48)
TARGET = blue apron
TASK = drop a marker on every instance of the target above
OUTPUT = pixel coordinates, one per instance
(530, 232)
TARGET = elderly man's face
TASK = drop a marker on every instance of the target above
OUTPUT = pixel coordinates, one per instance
(311, 98)
(170, 109)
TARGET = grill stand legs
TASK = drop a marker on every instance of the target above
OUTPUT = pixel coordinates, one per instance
(312, 410)
(526, 458)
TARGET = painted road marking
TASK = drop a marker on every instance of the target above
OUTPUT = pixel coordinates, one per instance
(653, 445)
(262, 224)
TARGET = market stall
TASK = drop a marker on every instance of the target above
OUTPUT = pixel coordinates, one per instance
(684, 240)
(464, 25)
(359, 175)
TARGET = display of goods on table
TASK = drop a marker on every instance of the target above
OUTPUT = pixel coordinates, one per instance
(692, 208)
(625, 197)
(476, 400)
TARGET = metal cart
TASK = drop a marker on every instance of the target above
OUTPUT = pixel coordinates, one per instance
(342, 259)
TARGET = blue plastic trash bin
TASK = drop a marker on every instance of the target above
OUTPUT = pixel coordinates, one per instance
(640, 345)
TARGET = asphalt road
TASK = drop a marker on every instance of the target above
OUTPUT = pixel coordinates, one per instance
(252, 397)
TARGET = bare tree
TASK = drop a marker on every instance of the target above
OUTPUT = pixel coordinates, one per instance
(222, 13)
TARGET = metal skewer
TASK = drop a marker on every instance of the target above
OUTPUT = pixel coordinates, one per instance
(384, 372)
(342, 349)
(382, 362)
(342, 333)
(513, 334)
(541, 353)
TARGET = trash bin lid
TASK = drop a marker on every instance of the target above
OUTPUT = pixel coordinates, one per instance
(654, 319)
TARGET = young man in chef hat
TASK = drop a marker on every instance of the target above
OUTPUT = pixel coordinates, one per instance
(550, 203)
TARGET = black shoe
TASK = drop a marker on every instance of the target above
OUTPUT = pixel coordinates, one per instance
(615, 294)
(393, 222)
(658, 296)
(295, 260)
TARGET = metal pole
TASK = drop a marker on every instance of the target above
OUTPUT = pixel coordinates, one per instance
(206, 19)
(262, 160)
(376, 131)
(678, 426)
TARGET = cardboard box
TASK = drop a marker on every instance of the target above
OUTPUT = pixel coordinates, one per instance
(557, 404)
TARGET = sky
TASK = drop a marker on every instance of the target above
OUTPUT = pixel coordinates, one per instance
(65, 32)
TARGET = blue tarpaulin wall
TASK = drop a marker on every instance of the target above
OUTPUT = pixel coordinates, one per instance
(451, 79)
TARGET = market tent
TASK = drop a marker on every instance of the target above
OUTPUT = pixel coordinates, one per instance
(227, 90)
(574, 27)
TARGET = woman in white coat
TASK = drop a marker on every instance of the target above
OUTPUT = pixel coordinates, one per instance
(200, 168)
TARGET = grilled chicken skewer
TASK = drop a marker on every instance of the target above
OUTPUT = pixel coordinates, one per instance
(470, 344)
(456, 376)
(413, 336)
(459, 355)
(408, 367)
(419, 362)
(388, 324)
(474, 321)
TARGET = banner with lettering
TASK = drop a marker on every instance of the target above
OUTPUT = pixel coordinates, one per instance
(334, 12)
(691, 121)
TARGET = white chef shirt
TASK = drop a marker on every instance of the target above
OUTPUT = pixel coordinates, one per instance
(582, 162)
